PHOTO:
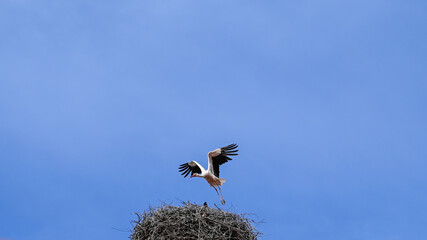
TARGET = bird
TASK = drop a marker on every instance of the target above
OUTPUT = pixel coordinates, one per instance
(216, 158)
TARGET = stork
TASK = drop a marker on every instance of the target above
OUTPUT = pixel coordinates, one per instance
(216, 158)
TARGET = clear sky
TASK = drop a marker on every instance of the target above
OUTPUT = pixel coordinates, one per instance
(100, 101)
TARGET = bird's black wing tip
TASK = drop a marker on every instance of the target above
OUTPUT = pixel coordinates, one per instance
(231, 146)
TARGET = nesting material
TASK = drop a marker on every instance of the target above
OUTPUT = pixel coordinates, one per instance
(192, 221)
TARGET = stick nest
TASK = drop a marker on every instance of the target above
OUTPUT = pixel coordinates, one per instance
(192, 221)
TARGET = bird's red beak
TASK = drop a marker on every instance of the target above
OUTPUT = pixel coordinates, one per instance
(193, 175)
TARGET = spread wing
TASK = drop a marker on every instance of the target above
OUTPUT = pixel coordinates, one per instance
(190, 167)
(221, 156)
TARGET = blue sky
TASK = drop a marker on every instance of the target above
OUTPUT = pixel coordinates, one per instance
(100, 101)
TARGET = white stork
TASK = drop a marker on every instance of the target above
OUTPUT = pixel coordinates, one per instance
(216, 157)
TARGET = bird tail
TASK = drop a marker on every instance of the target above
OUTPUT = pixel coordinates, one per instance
(222, 180)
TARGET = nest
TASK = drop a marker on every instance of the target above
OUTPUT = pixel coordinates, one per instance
(192, 221)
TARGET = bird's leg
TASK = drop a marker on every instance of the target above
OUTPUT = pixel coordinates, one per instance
(217, 193)
(223, 200)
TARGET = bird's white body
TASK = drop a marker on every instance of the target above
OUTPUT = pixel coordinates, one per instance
(208, 175)
(211, 178)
